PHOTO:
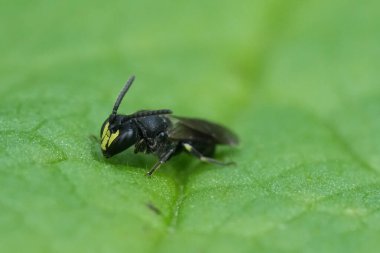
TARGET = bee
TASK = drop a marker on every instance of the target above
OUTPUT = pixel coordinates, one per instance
(160, 133)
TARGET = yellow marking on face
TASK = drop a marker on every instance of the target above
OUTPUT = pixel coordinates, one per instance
(113, 137)
(104, 142)
(105, 129)
(107, 137)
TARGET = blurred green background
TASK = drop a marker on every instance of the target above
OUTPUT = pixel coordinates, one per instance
(297, 80)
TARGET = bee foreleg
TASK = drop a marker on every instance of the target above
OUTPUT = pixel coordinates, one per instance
(162, 160)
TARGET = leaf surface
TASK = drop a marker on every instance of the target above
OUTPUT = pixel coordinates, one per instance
(298, 82)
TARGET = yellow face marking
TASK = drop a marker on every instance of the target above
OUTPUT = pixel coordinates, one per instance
(113, 137)
(105, 129)
(104, 142)
(107, 137)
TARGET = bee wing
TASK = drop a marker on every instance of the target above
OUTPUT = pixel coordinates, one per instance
(202, 130)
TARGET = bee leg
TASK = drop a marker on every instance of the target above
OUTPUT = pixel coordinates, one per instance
(144, 133)
(162, 160)
(203, 158)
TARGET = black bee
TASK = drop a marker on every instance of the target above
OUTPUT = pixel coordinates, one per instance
(162, 134)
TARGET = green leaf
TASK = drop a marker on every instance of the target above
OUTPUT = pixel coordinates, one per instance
(298, 81)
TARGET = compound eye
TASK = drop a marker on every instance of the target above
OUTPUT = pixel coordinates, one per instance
(108, 136)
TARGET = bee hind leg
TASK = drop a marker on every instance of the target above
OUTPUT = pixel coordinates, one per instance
(189, 148)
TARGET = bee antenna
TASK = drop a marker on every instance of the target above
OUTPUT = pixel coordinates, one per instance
(122, 94)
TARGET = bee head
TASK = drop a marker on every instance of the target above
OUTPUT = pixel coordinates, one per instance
(117, 135)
